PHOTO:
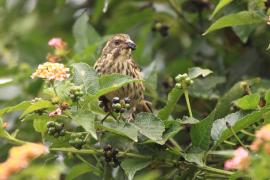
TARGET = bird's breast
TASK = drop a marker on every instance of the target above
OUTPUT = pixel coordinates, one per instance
(124, 66)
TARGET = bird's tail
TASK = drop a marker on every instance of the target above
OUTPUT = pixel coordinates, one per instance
(144, 106)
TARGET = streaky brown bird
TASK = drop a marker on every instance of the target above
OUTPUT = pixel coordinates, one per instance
(116, 58)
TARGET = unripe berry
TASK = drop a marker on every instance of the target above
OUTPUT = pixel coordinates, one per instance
(127, 106)
(178, 85)
(117, 106)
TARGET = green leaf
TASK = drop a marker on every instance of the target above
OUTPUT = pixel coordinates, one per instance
(87, 120)
(221, 5)
(86, 76)
(267, 97)
(121, 128)
(84, 33)
(40, 123)
(194, 157)
(197, 71)
(173, 98)
(78, 170)
(237, 19)
(219, 126)
(111, 82)
(150, 126)
(38, 105)
(205, 88)
(248, 102)
(170, 132)
(243, 32)
(19, 107)
(131, 166)
(200, 133)
(243, 123)
(189, 120)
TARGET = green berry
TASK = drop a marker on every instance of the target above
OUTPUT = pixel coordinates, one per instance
(127, 106)
(62, 132)
(52, 129)
(178, 85)
(178, 78)
(117, 106)
(50, 124)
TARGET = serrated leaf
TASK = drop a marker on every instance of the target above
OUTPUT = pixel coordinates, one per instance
(197, 71)
(237, 19)
(173, 98)
(200, 133)
(131, 166)
(84, 33)
(219, 126)
(248, 102)
(41, 104)
(87, 120)
(86, 76)
(244, 122)
(221, 5)
(149, 125)
(121, 128)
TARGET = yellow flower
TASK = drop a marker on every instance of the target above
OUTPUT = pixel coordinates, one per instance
(51, 71)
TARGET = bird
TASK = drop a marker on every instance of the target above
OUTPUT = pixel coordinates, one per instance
(116, 57)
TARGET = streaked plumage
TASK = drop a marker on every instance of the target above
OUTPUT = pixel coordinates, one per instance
(116, 58)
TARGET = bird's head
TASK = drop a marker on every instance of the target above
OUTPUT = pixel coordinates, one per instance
(119, 44)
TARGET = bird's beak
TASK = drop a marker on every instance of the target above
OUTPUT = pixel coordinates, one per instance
(131, 45)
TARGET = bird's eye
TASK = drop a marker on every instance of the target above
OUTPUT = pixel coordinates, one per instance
(116, 42)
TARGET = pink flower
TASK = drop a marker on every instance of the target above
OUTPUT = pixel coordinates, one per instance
(240, 160)
(57, 112)
(262, 137)
(57, 43)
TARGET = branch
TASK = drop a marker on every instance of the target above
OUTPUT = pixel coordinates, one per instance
(99, 152)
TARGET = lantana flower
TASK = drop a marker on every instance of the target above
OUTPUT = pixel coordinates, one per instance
(57, 43)
(56, 112)
(262, 139)
(51, 71)
(19, 158)
(240, 160)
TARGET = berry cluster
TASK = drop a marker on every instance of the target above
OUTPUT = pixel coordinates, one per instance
(120, 106)
(55, 129)
(77, 140)
(76, 93)
(183, 81)
(110, 155)
(162, 28)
